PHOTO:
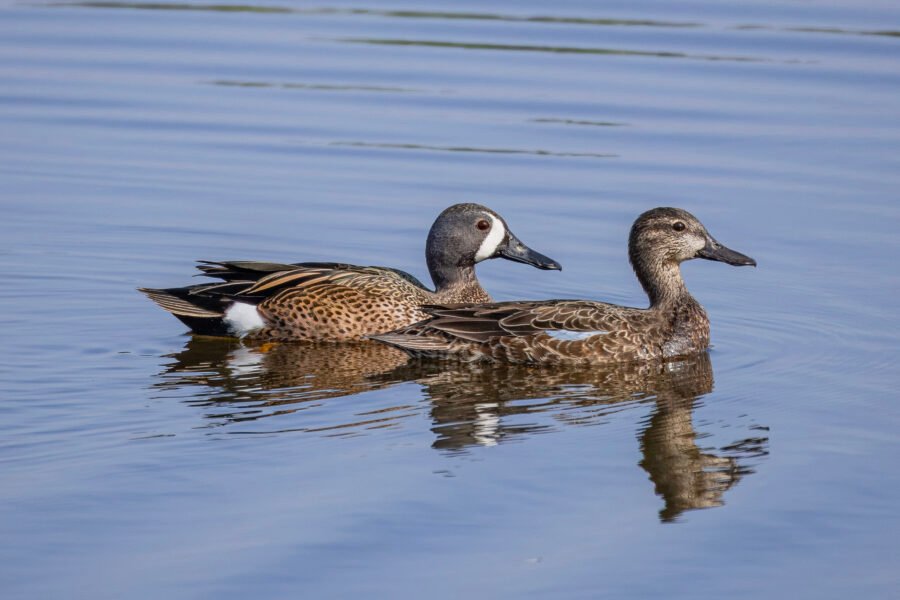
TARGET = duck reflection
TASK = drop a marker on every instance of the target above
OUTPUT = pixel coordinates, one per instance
(486, 405)
(268, 380)
(684, 475)
(465, 402)
(474, 405)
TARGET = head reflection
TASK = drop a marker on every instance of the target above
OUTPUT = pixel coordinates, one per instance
(470, 406)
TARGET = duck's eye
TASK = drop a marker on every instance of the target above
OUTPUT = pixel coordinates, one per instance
(483, 225)
(678, 226)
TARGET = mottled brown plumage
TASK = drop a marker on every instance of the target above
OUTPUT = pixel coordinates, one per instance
(327, 302)
(351, 303)
(583, 331)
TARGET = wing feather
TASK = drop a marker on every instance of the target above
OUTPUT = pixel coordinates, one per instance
(412, 342)
(483, 322)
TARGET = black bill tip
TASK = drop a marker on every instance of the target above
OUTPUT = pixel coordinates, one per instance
(515, 250)
(716, 251)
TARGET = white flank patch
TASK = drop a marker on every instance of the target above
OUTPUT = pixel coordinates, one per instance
(568, 336)
(243, 318)
(492, 241)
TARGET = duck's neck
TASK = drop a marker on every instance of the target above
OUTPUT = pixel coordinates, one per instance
(461, 289)
(662, 281)
(469, 292)
(455, 283)
(686, 324)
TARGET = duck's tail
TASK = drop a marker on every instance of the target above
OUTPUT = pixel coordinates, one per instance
(195, 306)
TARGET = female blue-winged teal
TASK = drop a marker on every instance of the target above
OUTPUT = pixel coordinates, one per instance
(582, 331)
(340, 302)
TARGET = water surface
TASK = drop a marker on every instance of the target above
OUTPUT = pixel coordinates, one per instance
(141, 462)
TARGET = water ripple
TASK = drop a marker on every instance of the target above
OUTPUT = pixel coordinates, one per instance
(477, 150)
(230, 8)
(313, 86)
(578, 122)
(394, 14)
(555, 49)
(471, 16)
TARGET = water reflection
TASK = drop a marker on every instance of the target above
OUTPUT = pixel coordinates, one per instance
(248, 383)
(484, 406)
(685, 475)
(470, 405)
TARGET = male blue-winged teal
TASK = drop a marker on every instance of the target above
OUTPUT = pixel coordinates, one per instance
(583, 331)
(341, 302)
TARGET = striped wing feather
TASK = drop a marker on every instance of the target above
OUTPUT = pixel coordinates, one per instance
(263, 280)
(481, 323)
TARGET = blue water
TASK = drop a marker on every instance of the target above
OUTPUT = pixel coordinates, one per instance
(138, 462)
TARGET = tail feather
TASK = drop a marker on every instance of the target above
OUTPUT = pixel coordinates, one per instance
(177, 305)
(202, 314)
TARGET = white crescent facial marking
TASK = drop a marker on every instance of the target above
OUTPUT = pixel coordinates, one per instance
(492, 241)
(243, 319)
(568, 336)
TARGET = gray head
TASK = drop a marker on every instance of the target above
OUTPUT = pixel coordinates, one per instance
(665, 237)
(465, 234)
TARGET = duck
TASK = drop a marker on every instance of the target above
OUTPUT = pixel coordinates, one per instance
(338, 302)
(585, 331)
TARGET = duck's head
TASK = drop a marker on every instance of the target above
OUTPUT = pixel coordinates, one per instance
(465, 234)
(672, 235)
